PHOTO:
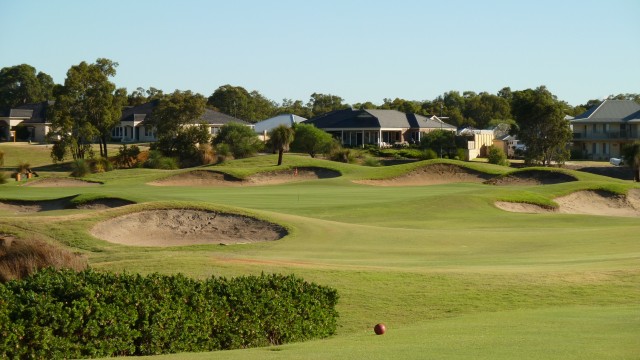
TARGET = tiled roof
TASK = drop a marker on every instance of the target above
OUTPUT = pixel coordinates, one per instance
(140, 112)
(34, 113)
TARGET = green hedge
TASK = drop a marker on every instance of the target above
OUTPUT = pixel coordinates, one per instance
(64, 314)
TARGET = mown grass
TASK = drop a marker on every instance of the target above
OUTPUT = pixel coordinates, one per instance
(451, 275)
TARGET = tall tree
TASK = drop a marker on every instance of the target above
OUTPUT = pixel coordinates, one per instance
(296, 107)
(238, 102)
(21, 85)
(542, 126)
(280, 137)
(324, 103)
(87, 106)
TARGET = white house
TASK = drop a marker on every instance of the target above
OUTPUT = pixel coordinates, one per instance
(263, 127)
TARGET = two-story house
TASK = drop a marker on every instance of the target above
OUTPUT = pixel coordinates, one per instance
(601, 132)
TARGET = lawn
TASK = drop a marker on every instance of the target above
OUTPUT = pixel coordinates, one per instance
(451, 276)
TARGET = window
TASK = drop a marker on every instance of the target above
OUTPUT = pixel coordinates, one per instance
(117, 131)
(149, 131)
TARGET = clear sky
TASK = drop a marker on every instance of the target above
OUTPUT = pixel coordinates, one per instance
(361, 50)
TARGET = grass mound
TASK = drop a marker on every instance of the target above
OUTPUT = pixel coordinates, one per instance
(438, 173)
(21, 258)
(61, 182)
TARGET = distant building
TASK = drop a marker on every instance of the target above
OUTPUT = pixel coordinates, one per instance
(602, 131)
(28, 120)
(377, 127)
(263, 127)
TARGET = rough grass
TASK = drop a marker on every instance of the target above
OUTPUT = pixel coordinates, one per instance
(20, 258)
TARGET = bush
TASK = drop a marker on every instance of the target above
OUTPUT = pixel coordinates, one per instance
(497, 156)
(21, 258)
(157, 161)
(100, 164)
(3, 177)
(240, 139)
(23, 168)
(1, 158)
(63, 314)
(80, 168)
(127, 157)
(371, 161)
(429, 154)
(342, 155)
(207, 154)
(461, 154)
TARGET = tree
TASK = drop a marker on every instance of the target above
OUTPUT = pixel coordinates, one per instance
(542, 126)
(440, 141)
(240, 139)
(631, 156)
(311, 140)
(281, 136)
(497, 156)
(175, 119)
(238, 102)
(21, 85)
(324, 103)
(296, 107)
(87, 107)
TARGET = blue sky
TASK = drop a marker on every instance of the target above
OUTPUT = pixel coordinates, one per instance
(359, 50)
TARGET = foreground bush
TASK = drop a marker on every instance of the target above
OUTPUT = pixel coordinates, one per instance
(64, 314)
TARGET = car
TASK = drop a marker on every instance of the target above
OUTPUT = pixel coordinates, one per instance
(616, 161)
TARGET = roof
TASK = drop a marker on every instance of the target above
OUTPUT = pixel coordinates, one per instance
(376, 119)
(273, 122)
(140, 112)
(610, 111)
(34, 113)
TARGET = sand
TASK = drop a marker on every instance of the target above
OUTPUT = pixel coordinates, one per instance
(432, 175)
(214, 178)
(181, 227)
(532, 177)
(585, 202)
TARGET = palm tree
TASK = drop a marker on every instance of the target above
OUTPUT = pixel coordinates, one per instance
(281, 137)
(631, 155)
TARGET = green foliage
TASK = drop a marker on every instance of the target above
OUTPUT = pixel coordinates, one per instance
(441, 141)
(371, 161)
(158, 161)
(20, 85)
(311, 140)
(497, 156)
(541, 126)
(100, 165)
(239, 103)
(342, 155)
(461, 154)
(429, 154)
(280, 138)
(240, 139)
(64, 314)
(223, 150)
(3, 177)
(127, 156)
(80, 168)
(631, 156)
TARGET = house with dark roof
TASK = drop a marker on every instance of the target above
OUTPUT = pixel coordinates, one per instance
(133, 128)
(30, 118)
(377, 127)
(602, 131)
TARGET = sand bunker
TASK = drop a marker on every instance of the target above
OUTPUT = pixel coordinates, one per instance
(61, 182)
(21, 206)
(180, 227)
(214, 178)
(432, 175)
(532, 177)
(585, 202)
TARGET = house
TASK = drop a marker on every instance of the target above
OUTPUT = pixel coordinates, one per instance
(26, 122)
(478, 142)
(509, 144)
(263, 127)
(377, 127)
(602, 131)
(133, 128)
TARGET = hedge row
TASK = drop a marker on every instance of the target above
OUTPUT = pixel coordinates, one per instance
(64, 314)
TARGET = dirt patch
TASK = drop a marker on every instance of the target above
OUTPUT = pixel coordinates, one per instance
(214, 178)
(432, 175)
(61, 182)
(180, 227)
(532, 177)
(585, 202)
(103, 204)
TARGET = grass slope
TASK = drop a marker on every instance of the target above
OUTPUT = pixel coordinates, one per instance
(451, 275)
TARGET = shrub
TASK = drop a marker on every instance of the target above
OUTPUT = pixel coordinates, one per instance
(497, 156)
(342, 155)
(1, 158)
(100, 164)
(240, 139)
(3, 177)
(157, 161)
(429, 154)
(461, 154)
(127, 157)
(80, 168)
(23, 167)
(21, 258)
(371, 161)
(63, 314)
(207, 154)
